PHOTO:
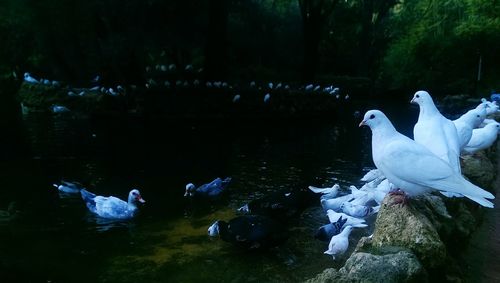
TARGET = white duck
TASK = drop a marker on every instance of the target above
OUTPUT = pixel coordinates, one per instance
(113, 207)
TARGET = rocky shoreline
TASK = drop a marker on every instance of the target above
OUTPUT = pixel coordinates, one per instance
(422, 241)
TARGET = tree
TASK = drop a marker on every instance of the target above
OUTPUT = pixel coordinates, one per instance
(314, 17)
(216, 46)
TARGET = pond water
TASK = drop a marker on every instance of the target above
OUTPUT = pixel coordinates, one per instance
(55, 239)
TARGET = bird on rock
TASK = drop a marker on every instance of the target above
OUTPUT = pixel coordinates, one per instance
(412, 167)
(339, 243)
(326, 232)
(466, 123)
(482, 138)
(436, 132)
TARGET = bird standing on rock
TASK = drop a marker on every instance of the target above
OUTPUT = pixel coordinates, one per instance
(412, 167)
(436, 132)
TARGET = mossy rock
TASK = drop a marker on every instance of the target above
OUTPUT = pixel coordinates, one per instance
(401, 266)
(407, 227)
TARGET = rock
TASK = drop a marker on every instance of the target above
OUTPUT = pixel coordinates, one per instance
(479, 169)
(402, 266)
(407, 227)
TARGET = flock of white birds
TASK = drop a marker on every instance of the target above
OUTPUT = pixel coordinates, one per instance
(407, 168)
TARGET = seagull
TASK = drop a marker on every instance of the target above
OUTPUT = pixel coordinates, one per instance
(29, 79)
(309, 87)
(482, 138)
(270, 85)
(412, 167)
(236, 98)
(339, 243)
(435, 132)
(466, 123)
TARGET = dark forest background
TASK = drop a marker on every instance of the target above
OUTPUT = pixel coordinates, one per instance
(438, 45)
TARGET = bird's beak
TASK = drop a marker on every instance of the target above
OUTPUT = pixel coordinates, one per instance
(186, 194)
(413, 100)
(362, 123)
(140, 199)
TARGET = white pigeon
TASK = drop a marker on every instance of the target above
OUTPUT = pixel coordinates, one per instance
(371, 175)
(28, 78)
(358, 211)
(491, 107)
(335, 203)
(351, 221)
(411, 166)
(267, 97)
(334, 190)
(339, 243)
(482, 138)
(435, 132)
(466, 123)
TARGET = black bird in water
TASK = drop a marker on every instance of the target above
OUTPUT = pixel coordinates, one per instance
(250, 232)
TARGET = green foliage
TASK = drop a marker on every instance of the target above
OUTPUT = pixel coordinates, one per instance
(437, 45)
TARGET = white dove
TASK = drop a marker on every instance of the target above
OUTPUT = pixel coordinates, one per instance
(371, 175)
(335, 203)
(491, 107)
(339, 243)
(351, 221)
(435, 132)
(358, 210)
(482, 138)
(334, 190)
(412, 167)
(466, 123)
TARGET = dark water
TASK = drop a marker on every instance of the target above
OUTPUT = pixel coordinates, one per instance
(54, 238)
(51, 238)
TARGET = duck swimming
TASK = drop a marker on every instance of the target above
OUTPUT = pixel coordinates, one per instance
(113, 207)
